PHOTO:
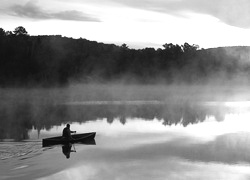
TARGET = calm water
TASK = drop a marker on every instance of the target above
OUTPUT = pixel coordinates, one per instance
(149, 139)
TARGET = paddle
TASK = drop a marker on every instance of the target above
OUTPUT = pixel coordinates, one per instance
(74, 147)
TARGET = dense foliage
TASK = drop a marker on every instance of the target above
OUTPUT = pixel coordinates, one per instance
(56, 60)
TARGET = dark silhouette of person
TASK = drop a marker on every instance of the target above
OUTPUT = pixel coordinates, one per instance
(67, 132)
(66, 149)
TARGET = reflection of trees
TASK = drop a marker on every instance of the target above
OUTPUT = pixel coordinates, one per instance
(16, 122)
(23, 121)
(17, 119)
(183, 114)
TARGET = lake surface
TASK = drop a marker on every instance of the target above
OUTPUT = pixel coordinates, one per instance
(136, 139)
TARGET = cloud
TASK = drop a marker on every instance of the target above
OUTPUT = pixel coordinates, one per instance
(227, 149)
(33, 11)
(232, 12)
(226, 157)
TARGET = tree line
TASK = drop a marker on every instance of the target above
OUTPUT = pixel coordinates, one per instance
(55, 60)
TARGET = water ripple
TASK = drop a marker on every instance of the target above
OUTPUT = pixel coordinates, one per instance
(21, 150)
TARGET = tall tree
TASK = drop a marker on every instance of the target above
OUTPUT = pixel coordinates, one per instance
(189, 48)
(2, 32)
(20, 31)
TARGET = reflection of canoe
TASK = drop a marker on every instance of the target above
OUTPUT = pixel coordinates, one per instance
(85, 138)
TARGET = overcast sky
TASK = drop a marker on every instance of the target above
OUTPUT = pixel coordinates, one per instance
(138, 23)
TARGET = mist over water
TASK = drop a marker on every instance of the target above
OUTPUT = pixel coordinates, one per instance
(193, 127)
(25, 109)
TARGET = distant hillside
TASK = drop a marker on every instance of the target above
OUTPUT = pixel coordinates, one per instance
(241, 53)
(55, 60)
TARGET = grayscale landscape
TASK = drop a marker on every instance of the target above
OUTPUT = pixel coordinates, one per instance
(137, 90)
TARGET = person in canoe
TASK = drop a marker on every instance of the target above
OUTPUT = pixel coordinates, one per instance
(67, 132)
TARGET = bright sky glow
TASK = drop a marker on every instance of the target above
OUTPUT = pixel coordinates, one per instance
(139, 24)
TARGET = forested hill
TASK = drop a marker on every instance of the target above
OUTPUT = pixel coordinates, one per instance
(55, 60)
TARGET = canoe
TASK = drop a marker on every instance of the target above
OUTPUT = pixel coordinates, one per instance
(87, 138)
